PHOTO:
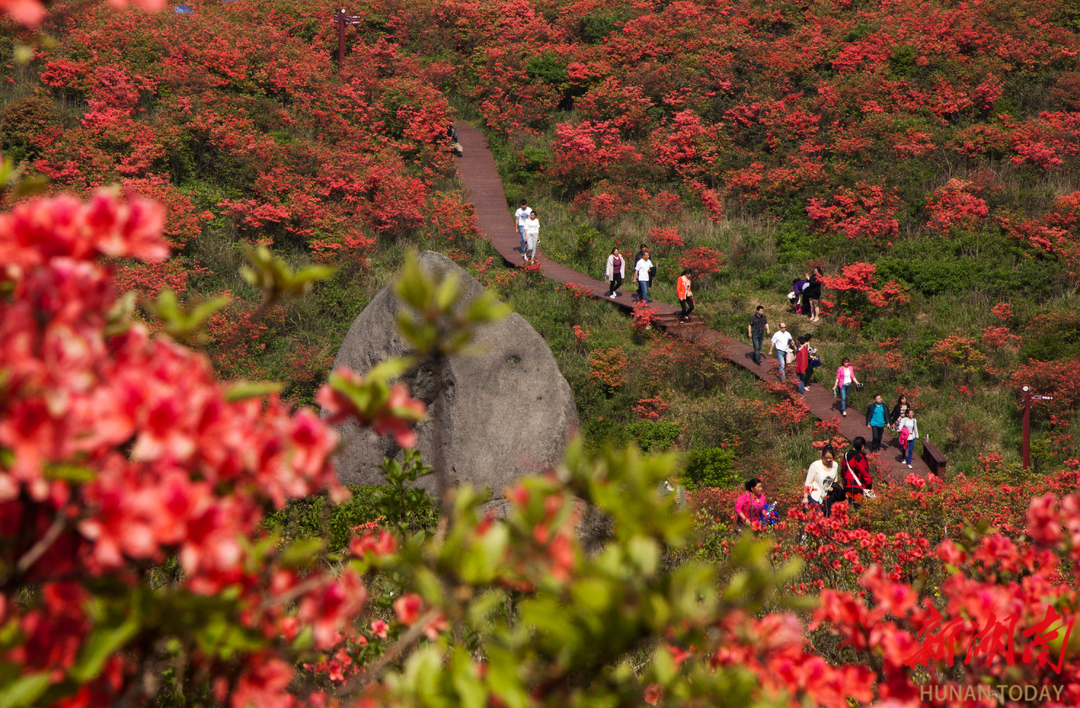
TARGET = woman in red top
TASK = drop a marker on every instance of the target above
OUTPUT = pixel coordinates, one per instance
(686, 298)
(855, 470)
(802, 363)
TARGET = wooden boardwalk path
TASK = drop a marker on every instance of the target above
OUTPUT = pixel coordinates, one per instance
(477, 173)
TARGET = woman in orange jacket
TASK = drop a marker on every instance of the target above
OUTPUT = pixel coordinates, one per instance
(686, 298)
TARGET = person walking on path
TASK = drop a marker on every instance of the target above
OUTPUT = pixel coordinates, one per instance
(642, 268)
(522, 217)
(532, 237)
(802, 363)
(855, 469)
(781, 342)
(686, 298)
(877, 418)
(845, 376)
(757, 330)
(750, 504)
(615, 271)
(898, 410)
(820, 478)
(812, 296)
(909, 433)
(640, 254)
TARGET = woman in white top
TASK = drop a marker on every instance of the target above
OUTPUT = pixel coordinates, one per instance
(532, 237)
(522, 217)
(909, 424)
(845, 376)
(820, 476)
(642, 269)
(615, 271)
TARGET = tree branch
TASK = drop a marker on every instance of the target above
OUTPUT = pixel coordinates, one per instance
(44, 544)
(389, 656)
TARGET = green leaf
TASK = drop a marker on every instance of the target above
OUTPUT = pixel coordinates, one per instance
(503, 679)
(28, 186)
(480, 562)
(487, 308)
(466, 682)
(104, 641)
(663, 665)
(447, 293)
(243, 390)
(275, 279)
(69, 473)
(414, 286)
(301, 552)
(24, 690)
(390, 369)
(184, 323)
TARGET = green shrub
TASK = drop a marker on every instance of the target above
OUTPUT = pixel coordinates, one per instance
(550, 68)
(596, 26)
(314, 517)
(710, 467)
(654, 435)
(22, 119)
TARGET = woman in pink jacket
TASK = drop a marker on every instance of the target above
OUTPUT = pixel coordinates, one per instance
(749, 505)
(845, 376)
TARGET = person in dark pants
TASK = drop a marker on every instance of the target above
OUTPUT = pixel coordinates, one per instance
(802, 363)
(686, 298)
(877, 417)
(757, 330)
(812, 296)
(855, 470)
(615, 271)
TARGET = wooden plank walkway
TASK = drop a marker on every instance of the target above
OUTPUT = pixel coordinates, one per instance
(477, 173)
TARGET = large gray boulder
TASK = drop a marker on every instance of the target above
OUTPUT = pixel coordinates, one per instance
(508, 409)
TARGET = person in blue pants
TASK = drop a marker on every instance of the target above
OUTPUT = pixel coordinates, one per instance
(642, 268)
(783, 344)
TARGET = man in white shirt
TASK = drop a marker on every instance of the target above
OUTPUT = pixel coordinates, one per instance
(781, 342)
(522, 216)
(642, 268)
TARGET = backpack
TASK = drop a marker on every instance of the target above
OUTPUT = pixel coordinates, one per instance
(835, 493)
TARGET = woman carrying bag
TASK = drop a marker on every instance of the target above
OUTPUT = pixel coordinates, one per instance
(908, 429)
(750, 505)
(615, 271)
(820, 479)
(845, 376)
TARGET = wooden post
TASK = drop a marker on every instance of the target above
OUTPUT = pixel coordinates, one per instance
(341, 38)
(1027, 400)
(1025, 405)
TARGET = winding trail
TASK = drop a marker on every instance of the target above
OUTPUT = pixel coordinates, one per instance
(477, 173)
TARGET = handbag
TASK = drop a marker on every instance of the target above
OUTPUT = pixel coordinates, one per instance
(789, 358)
(905, 434)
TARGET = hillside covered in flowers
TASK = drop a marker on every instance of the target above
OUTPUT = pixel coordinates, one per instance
(171, 530)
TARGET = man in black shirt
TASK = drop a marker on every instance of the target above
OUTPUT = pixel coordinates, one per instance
(757, 330)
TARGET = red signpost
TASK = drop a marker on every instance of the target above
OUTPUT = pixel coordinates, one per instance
(1028, 399)
(342, 20)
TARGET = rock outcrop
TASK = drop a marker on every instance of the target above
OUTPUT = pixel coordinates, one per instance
(508, 409)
